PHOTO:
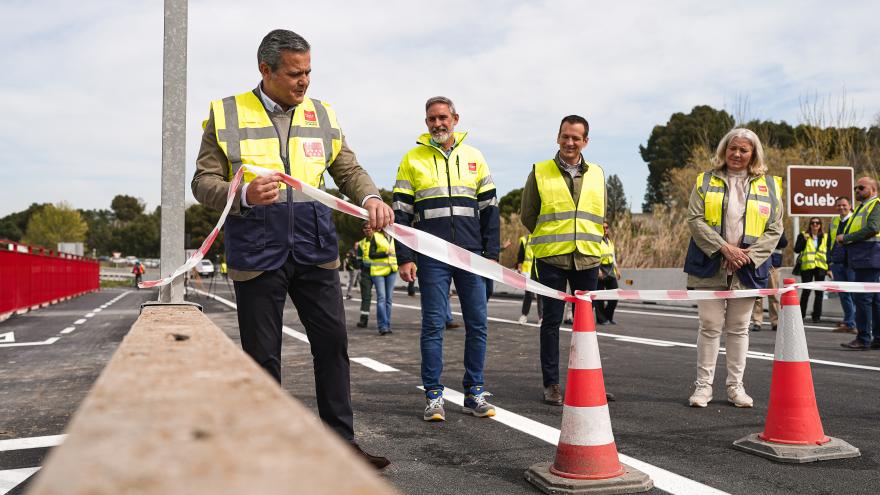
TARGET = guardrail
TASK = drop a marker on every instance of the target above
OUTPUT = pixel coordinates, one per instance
(180, 409)
(32, 276)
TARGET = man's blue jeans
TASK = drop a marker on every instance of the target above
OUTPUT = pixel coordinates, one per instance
(434, 279)
(867, 307)
(841, 273)
(384, 295)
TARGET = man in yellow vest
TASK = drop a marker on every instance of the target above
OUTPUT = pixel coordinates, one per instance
(563, 206)
(862, 241)
(278, 241)
(444, 188)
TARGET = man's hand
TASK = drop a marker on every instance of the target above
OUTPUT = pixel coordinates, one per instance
(839, 238)
(735, 257)
(263, 190)
(380, 213)
(407, 271)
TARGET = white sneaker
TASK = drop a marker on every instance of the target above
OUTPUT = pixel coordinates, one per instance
(702, 395)
(523, 319)
(737, 396)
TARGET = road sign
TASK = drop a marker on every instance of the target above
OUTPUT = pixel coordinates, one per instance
(813, 189)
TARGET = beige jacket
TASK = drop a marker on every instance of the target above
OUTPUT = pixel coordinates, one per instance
(710, 242)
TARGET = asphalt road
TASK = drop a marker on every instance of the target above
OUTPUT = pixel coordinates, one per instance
(648, 360)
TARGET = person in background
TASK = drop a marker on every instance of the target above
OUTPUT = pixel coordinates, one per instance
(563, 206)
(280, 243)
(735, 220)
(609, 272)
(352, 265)
(772, 283)
(525, 264)
(861, 238)
(814, 265)
(138, 270)
(444, 187)
(223, 269)
(366, 281)
(839, 272)
(383, 272)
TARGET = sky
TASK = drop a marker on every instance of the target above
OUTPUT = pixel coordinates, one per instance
(81, 82)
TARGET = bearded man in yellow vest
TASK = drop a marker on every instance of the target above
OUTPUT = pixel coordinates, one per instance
(278, 241)
(563, 206)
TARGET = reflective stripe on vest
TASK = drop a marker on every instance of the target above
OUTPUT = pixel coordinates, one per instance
(762, 201)
(246, 135)
(860, 218)
(811, 257)
(563, 228)
(607, 257)
(528, 256)
(385, 261)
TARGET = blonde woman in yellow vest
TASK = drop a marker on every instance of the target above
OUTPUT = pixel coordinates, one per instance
(735, 220)
(812, 246)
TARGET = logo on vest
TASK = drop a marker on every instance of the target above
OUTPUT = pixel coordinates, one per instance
(472, 166)
(762, 188)
(765, 210)
(313, 149)
(311, 119)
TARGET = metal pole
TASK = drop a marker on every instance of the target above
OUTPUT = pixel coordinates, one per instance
(173, 146)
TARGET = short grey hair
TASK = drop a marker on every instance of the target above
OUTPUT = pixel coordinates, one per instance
(756, 165)
(440, 99)
(278, 41)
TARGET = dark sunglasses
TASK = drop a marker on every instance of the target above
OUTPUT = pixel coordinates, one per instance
(815, 223)
(858, 188)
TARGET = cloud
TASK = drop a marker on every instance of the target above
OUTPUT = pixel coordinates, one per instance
(83, 89)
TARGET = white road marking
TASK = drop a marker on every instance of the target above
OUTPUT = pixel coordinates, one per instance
(31, 442)
(89, 315)
(11, 478)
(68, 329)
(97, 310)
(374, 365)
(7, 338)
(663, 479)
(79, 321)
(226, 302)
(48, 341)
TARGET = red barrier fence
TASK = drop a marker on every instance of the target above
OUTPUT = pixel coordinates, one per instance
(31, 276)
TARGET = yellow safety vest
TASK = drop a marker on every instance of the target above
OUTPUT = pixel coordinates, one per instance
(859, 218)
(385, 262)
(528, 256)
(247, 137)
(563, 227)
(364, 244)
(811, 257)
(607, 257)
(762, 201)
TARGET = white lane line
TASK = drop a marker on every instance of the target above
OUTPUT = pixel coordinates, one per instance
(226, 302)
(763, 356)
(68, 329)
(89, 315)
(295, 334)
(48, 341)
(374, 365)
(97, 310)
(11, 478)
(79, 321)
(31, 442)
(663, 479)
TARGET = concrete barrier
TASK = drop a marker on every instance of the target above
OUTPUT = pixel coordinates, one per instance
(181, 409)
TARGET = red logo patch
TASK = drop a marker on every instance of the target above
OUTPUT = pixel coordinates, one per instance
(472, 166)
(313, 149)
(762, 188)
(310, 116)
(765, 210)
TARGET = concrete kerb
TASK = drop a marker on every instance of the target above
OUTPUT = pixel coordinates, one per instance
(181, 409)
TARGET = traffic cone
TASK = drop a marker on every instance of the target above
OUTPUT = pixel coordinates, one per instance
(586, 455)
(793, 430)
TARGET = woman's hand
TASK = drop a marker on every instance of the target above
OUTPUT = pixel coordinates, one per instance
(734, 257)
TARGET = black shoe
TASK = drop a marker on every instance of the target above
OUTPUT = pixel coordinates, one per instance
(362, 323)
(376, 461)
(612, 322)
(603, 322)
(553, 395)
(610, 397)
(815, 319)
(855, 345)
(754, 327)
(568, 321)
(773, 328)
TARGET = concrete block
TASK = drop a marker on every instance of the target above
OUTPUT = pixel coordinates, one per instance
(797, 454)
(632, 481)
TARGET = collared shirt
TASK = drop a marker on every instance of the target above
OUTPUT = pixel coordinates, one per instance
(446, 152)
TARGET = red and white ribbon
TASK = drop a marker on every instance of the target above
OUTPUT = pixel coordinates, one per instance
(441, 250)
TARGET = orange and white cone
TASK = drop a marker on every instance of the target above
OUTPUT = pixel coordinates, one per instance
(793, 430)
(586, 455)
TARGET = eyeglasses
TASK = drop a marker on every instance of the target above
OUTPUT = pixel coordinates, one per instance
(815, 223)
(858, 188)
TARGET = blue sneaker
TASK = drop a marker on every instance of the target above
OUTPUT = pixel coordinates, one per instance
(475, 403)
(434, 410)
